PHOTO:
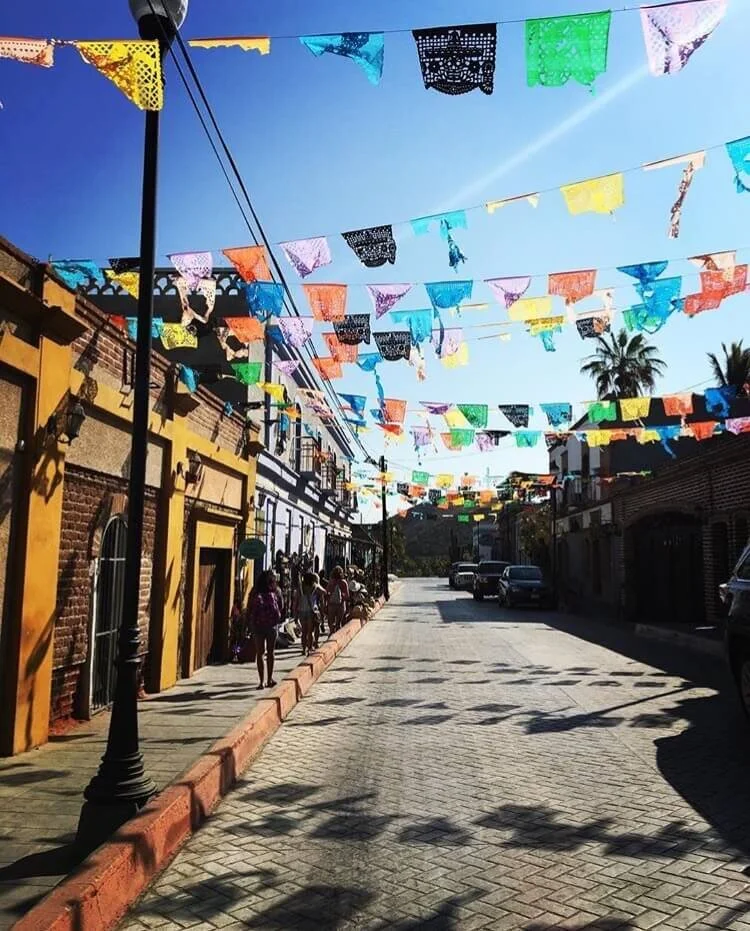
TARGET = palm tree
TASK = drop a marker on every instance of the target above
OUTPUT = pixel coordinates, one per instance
(622, 367)
(734, 370)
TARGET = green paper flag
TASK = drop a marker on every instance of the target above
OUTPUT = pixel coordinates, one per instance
(600, 411)
(420, 478)
(469, 504)
(476, 414)
(460, 438)
(463, 518)
(563, 47)
(247, 372)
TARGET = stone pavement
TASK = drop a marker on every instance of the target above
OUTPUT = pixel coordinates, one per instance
(41, 792)
(463, 767)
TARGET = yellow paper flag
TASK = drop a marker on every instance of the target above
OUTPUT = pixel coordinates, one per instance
(545, 325)
(597, 195)
(260, 44)
(456, 419)
(275, 391)
(634, 408)
(177, 336)
(133, 66)
(530, 308)
(129, 281)
(457, 358)
(444, 480)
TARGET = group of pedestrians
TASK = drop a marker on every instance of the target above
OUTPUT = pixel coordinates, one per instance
(312, 602)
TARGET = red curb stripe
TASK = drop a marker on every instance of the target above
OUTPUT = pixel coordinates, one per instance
(110, 880)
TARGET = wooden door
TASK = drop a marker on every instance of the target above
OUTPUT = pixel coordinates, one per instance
(211, 633)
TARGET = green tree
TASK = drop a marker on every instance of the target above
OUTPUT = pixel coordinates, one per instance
(535, 532)
(734, 368)
(623, 367)
(398, 546)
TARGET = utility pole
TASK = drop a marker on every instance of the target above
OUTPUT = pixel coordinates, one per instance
(385, 564)
(553, 511)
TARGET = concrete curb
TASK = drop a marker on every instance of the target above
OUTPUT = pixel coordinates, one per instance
(98, 894)
(691, 642)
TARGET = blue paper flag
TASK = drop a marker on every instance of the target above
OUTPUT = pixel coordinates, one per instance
(666, 434)
(548, 340)
(739, 154)
(368, 360)
(364, 48)
(455, 220)
(157, 325)
(264, 299)
(78, 272)
(275, 335)
(645, 272)
(418, 321)
(445, 294)
(558, 413)
(527, 438)
(357, 402)
(189, 378)
(661, 297)
(718, 400)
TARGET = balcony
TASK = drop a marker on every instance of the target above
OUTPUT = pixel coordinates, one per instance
(309, 458)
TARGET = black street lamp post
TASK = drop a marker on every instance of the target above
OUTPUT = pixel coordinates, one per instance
(121, 785)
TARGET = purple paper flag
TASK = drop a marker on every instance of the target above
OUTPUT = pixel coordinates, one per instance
(422, 436)
(508, 290)
(447, 342)
(436, 407)
(672, 32)
(307, 254)
(193, 266)
(386, 296)
(296, 330)
(484, 442)
(286, 366)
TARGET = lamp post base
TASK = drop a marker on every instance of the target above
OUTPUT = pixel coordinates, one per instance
(98, 822)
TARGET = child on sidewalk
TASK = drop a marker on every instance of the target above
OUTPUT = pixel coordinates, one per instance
(308, 612)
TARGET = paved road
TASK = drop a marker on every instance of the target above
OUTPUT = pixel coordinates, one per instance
(463, 767)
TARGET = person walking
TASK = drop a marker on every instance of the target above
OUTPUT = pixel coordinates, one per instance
(338, 598)
(264, 613)
(307, 610)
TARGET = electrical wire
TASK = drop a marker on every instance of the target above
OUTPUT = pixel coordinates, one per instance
(289, 302)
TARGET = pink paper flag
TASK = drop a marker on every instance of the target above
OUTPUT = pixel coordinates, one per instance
(508, 290)
(296, 330)
(287, 366)
(386, 296)
(30, 51)
(307, 254)
(193, 266)
(673, 31)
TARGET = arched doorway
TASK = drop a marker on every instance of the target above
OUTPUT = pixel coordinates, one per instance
(667, 569)
(109, 590)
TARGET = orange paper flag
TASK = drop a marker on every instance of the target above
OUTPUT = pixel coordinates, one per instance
(246, 329)
(341, 352)
(327, 301)
(329, 368)
(250, 262)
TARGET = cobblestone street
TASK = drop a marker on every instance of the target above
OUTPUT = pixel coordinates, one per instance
(464, 767)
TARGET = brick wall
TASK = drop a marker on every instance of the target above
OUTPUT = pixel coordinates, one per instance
(713, 486)
(85, 497)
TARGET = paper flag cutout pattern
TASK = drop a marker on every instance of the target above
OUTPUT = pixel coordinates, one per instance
(260, 44)
(128, 281)
(455, 219)
(445, 294)
(573, 286)
(672, 32)
(246, 329)
(264, 299)
(458, 59)
(476, 414)
(77, 273)
(296, 330)
(328, 368)
(530, 308)
(394, 410)
(125, 264)
(597, 195)
(193, 266)
(306, 255)
(286, 366)
(247, 372)
(508, 290)
(353, 329)
(418, 321)
(739, 154)
(133, 66)
(563, 47)
(374, 246)
(341, 352)
(327, 301)
(386, 296)
(517, 414)
(29, 51)
(250, 262)
(393, 345)
(364, 48)
(176, 336)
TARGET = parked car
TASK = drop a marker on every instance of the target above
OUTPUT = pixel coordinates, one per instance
(463, 577)
(486, 579)
(736, 596)
(520, 585)
(455, 568)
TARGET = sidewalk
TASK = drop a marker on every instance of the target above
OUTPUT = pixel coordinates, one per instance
(41, 792)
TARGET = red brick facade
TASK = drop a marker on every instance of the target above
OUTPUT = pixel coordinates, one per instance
(87, 500)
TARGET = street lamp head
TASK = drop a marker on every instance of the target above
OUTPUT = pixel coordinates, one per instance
(159, 19)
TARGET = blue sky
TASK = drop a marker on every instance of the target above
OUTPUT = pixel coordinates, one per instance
(323, 151)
